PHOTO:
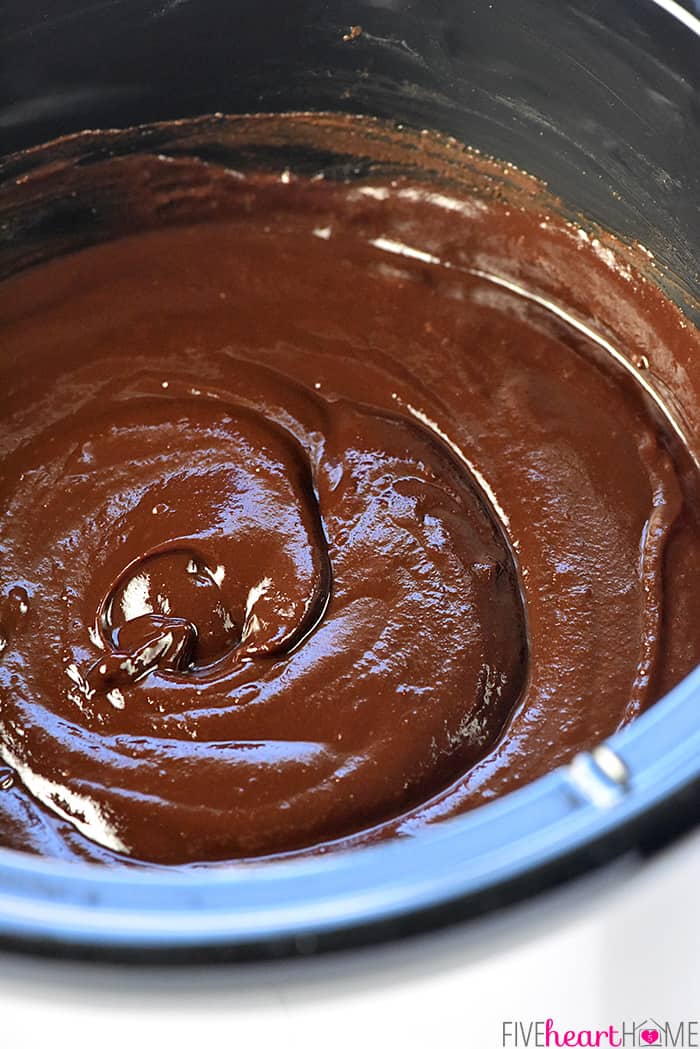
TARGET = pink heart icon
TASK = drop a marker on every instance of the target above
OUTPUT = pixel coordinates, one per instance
(650, 1036)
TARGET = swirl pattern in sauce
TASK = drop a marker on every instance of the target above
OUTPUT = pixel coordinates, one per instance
(305, 536)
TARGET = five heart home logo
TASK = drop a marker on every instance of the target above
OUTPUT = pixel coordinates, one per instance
(625, 1034)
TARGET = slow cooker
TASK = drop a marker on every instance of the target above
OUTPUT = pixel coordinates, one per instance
(600, 99)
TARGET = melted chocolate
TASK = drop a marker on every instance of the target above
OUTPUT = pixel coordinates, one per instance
(316, 527)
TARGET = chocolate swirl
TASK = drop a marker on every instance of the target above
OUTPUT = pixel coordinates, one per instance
(228, 553)
(315, 534)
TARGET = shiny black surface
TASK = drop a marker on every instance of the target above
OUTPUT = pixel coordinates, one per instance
(600, 98)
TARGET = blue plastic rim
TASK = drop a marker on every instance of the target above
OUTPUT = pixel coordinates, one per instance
(424, 62)
(563, 824)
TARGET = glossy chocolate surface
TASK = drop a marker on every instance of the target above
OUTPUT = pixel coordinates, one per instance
(317, 526)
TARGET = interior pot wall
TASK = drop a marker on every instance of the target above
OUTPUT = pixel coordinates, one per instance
(599, 97)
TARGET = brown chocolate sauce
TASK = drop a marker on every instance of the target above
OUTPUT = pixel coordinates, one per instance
(329, 517)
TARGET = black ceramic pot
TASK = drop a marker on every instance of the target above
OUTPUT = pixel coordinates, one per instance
(601, 98)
